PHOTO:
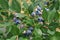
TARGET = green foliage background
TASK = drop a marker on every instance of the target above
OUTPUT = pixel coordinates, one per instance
(9, 30)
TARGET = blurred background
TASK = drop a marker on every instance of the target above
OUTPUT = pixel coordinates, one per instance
(29, 19)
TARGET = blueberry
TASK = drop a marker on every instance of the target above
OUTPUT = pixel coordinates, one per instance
(17, 21)
(31, 28)
(40, 19)
(33, 14)
(46, 3)
(14, 19)
(39, 8)
(38, 12)
(27, 33)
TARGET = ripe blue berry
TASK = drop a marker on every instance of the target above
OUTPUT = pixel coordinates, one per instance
(17, 21)
(27, 33)
(33, 14)
(14, 19)
(40, 19)
(37, 12)
(31, 28)
(39, 8)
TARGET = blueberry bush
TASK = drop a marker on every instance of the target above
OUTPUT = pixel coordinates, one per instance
(29, 19)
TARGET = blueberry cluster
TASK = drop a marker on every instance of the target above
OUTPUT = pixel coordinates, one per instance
(38, 12)
(16, 19)
(28, 32)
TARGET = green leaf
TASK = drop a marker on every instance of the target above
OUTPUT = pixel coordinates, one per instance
(2, 30)
(4, 4)
(30, 22)
(33, 1)
(53, 25)
(14, 30)
(25, 4)
(51, 15)
(37, 32)
(56, 17)
(51, 7)
(51, 32)
(45, 14)
(15, 6)
(37, 38)
(21, 38)
(44, 30)
(1, 18)
(1, 39)
(12, 38)
(8, 29)
(30, 8)
(7, 39)
(11, 16)
(7, 24)
(54, 38)
(57, 5)
(5, 14)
